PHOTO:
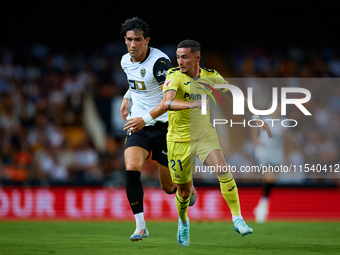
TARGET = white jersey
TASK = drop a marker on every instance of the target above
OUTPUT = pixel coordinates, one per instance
(144, 79)
(271, 151)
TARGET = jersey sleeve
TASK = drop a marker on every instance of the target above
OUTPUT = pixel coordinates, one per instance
(172, 81)
(160, 69)
(220, 80)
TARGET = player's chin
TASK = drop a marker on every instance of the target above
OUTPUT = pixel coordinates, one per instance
(133, 54)
(183, 70)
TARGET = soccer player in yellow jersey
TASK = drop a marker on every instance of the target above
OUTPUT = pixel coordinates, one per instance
(191, 134)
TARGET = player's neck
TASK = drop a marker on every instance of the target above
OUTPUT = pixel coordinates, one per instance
(142, 56)
(195, 73)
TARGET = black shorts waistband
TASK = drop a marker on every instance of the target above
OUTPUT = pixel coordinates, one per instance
(159, 124)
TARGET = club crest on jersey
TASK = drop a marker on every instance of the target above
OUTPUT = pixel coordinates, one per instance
(142, 72)
(167, 83)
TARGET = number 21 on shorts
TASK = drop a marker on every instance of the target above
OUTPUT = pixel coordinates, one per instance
(173, 164)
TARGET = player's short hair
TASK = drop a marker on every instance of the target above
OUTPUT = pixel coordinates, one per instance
(193, 45)
(135, 24)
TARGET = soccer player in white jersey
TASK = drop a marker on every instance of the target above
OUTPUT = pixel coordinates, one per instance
(146, 69)
(269, 152)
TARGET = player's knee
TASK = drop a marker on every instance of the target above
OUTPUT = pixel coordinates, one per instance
(169, 188)
(133, 167)
(185, 194)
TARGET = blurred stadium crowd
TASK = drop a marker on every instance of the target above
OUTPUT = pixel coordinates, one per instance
(43, 138)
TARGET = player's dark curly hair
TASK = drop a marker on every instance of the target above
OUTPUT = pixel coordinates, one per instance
(193, 45)
(135, 24)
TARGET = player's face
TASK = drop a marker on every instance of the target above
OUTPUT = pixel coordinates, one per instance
(136, 44)
(187, 61)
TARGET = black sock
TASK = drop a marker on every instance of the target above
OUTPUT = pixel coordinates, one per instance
(134, 191)
(267, 188)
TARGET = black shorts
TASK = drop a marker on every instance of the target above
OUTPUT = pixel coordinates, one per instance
(151, 138)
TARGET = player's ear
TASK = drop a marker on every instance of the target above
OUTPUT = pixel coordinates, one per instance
(125, 39)
(147, 40)
(198, 57)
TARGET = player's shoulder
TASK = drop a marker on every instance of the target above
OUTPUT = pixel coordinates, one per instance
(174, 73)
(206, 72)
(174, 70)
(173, 76)
(126, 60)
(157, 54)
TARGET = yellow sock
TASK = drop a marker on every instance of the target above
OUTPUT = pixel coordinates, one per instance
(230, 193)
(182, 207)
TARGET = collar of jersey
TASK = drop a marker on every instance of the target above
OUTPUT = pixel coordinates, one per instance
(147, 55)
(198, 77)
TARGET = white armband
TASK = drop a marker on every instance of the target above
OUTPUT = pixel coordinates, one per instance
(128, 94)
(255, 116)
(147, 118)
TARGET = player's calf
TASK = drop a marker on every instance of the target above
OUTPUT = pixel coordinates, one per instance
(193, 196)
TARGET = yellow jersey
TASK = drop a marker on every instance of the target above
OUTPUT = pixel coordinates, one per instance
(189, 124)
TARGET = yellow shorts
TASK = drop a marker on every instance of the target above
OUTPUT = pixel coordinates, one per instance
(181, 155)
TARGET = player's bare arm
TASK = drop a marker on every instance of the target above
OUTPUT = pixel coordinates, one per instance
(172, 104)
(137, 124)
(124, 108)
(259, 122)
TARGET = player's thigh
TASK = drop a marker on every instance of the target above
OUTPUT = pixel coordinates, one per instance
(209, 151)
(157, 138)
(164, 173)
(214, 158)
(135, 158)
(180, 161)
(165, 179)
(137, 150)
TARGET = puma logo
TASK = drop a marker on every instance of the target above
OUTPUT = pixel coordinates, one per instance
(232, 188)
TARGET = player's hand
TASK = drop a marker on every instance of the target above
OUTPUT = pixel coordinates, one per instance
(124, 108)
(197, 104)
(134, 125)
(264, 127)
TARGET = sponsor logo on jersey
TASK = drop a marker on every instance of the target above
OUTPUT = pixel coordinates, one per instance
(142, 72)
(161, 73)
(167, 83)
(137, 85)
(192, 96)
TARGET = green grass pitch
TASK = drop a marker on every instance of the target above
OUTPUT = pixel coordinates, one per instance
(34, 238)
